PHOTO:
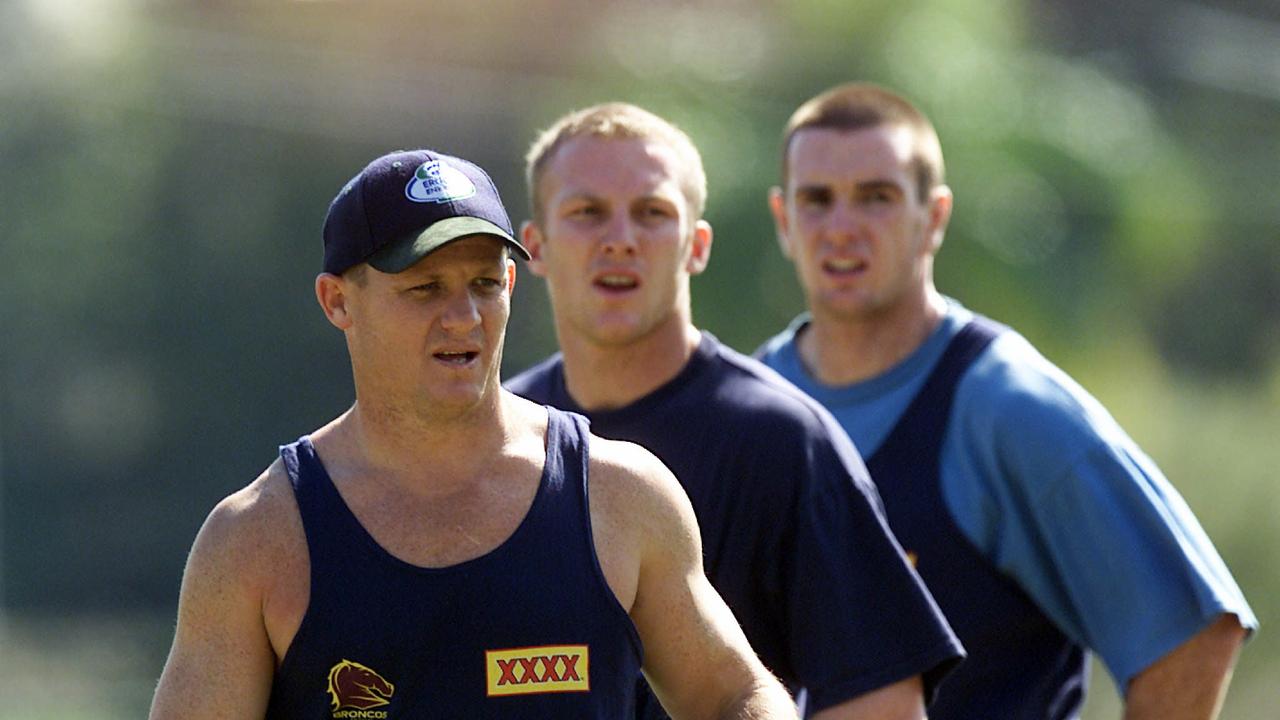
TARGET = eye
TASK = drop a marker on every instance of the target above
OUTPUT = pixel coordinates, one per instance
(654, 212)
(488, 284)
(427, 287)
(813, 198)
(880, 194)
(584, 211)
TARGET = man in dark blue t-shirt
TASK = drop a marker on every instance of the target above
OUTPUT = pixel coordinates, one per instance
(793, 531)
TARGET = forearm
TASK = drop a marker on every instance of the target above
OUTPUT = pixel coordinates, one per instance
(766, 700)
(1190, 682)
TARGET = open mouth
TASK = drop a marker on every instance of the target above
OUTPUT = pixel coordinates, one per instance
(460, 358)
(845, 267)
(616, 282)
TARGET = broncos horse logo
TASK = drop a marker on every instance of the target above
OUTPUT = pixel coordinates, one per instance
(352, 685)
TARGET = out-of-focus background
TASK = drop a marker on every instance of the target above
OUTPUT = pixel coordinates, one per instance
(165, 167)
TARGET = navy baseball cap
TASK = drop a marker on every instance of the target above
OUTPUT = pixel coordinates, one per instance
(408, 203)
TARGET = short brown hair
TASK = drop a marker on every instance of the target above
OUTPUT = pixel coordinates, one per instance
(858, 106)
(616, 120)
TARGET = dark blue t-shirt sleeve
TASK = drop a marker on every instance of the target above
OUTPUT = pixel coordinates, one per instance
(860, 616)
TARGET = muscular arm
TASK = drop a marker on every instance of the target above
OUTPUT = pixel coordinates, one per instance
(903, 700)
(1191, 681)
(697, 660)
(221, 661)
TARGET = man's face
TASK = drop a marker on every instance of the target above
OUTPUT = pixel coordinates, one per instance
(431, 336)
(617, 242)
(851, 221)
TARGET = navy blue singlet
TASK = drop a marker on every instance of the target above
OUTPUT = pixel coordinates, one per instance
(1020, 665)
(530, 630)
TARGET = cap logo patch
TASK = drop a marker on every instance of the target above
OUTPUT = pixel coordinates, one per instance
(437, 181)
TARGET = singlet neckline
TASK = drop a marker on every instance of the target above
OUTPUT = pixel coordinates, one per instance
(503, 548)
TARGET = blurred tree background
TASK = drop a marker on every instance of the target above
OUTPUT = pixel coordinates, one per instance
(165, 168)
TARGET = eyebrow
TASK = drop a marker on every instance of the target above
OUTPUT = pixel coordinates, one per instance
(879, 184)
(579, 196)
(467, 264)
(588, 197)
(813, 189)
(824, 188)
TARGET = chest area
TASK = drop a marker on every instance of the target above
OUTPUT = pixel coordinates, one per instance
(441, 529)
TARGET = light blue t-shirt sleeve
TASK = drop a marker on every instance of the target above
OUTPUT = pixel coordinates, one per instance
(1046, 484)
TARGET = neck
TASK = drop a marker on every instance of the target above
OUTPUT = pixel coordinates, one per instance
(416, 451)
(605, 376)
(843, 350)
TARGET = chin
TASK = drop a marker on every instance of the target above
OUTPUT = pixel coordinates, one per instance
(612, 331)
(456, 396)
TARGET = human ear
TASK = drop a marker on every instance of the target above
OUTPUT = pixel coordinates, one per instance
(331, 293)
(532, 239)
(778, 208)
(941, 201)
(700, 251)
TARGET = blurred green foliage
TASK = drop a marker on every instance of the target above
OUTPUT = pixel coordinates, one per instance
(165, 169)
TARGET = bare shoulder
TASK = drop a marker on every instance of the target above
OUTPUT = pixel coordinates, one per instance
(253, 531)
(221, 661)
(639, 515)
(640, 494)
(696, 657)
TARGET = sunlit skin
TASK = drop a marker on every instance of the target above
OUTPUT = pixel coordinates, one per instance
(426, 343)
(617, 244)
(862, 242)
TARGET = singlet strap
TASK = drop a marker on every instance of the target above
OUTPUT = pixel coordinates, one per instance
(330, 527)
(928, 413)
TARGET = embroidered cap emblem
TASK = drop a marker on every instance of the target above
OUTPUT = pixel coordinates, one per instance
(356, 687)
(439, 182)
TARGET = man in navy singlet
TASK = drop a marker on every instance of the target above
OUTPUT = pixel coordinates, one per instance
(1041, 528)
(794, 538)
(444, 548)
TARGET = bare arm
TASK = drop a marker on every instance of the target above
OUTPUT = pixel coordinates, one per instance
(221, 662)
(903, 700)
(697, 660)
(1190, 682)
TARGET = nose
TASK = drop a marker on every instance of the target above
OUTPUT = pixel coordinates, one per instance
(619, 236)
(844, 223)
(460, 313)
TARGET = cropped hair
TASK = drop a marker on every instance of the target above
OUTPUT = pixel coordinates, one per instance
(859, 106)
(613, 121)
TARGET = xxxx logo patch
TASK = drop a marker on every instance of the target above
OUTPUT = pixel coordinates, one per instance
(355, 689)
(525, 671)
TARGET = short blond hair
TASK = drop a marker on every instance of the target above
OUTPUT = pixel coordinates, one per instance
(616, 120)
(858, 106)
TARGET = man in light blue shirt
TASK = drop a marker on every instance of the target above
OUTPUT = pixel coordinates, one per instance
(1043, 531)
